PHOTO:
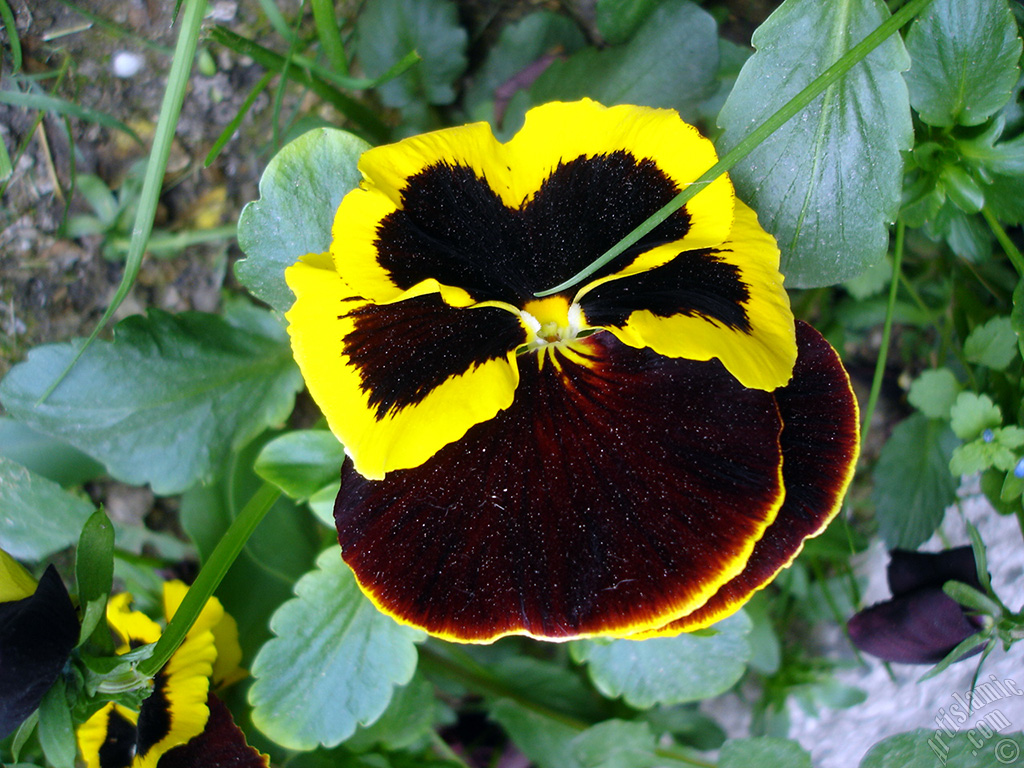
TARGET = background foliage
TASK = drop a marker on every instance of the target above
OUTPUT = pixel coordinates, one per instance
(895, 196)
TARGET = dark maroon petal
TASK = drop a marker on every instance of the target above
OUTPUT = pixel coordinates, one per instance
(820, 440)
(221, 745)
(618, 491)
(37, 634)
(910, 571)
(918, 628)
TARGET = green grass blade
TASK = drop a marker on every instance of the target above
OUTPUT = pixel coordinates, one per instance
(229, 130)
(785, 113)
(358, 83)
(329, 34)
(116, 29)
(174, 95)
(359, 113)
(278, 22)
(60, 106)
(6, 169)
(12, 35)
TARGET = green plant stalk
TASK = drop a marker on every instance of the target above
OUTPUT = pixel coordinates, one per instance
(115, 29)
(236, 121)
(170, 109)
(1004, 240)
(60, 106)
(358, 83)
(12, 36)
(883, 352)
(221, 559)
(329, 34)
(750, 142)
(372, 125)
(456, 664)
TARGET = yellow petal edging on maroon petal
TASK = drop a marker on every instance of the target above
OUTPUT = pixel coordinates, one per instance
(582, 510)
(820, 444)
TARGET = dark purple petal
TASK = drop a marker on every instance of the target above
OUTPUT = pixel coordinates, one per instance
(918, 628)
(910, 571)
(37, 634)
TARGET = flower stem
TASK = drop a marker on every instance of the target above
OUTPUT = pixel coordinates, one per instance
(145, 213)
(1004, 240)
(883, 352)
(455, 664)
(223, 555)
(788, 110)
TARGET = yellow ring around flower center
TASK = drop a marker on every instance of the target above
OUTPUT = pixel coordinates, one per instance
(553, 320)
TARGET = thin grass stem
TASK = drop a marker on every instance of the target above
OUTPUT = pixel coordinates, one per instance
(747, 145)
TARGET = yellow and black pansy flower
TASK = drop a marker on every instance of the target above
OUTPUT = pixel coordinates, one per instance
(635, 455)
(181, 724)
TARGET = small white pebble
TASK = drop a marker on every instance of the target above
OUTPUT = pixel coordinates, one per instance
(127, 64)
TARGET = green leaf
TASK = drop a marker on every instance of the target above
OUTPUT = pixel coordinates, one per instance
(978, 456)
(301, 463)
(334, 663)
(993, 344)
(827, 184)
(764, 752)
(520, 45)
(545, 741)
(94, 572)
(560, 689)
(669, 670)
(972, 414)
(299, 194)
(963, 191)
(913, 485)
(282, 548)
(39, 517)
(871, 282)
(971, 598)
(53, 459)
(388, 29)
(1017, 315)
(991, 747)
(618, 22)
(934, 392)
(409, 718)
(671, 61)
(56, 731)
(965, 56)
(688, 725)
(322, 503)
(163, 403)
(616, 744)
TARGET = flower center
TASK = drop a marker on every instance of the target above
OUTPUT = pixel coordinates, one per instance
(551, 321)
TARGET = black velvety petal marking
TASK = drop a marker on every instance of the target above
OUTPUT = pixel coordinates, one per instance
(454, 228)
(618, 491)
(405, 350)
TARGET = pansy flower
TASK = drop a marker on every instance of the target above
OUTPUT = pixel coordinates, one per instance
(38, 630)
(181, 724)
(920, 624)
(637, 454)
